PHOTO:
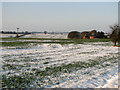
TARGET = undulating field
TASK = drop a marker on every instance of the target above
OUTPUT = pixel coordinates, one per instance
(58, 63)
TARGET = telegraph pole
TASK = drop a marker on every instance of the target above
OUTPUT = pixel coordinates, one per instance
(17, 32)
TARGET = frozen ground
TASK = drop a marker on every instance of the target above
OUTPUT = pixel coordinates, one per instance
(8, 35)
(46, 36)
(37, 35)
(89, 65)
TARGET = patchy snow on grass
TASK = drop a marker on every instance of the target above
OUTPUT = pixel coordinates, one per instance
(41, 35)
(46, 36)
(8, 35)
(56, 66)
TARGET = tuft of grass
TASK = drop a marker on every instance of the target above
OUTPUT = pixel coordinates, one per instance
(45, 62)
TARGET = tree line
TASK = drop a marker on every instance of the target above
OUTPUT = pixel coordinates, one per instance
(13, 32)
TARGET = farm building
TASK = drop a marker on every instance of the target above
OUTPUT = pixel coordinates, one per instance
(86, 35)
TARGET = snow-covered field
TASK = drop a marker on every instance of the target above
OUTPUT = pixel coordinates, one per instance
(8, 35)
(46, 36)
(37, 35)
(88, 65)
(40, 65)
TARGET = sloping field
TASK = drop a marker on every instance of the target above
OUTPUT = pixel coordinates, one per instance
(45, 65)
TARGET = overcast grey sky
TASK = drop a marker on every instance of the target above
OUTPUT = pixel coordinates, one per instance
(59, 16)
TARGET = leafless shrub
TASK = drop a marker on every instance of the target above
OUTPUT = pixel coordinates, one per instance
(115, 36)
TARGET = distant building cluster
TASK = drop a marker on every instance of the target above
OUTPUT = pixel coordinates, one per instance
(87, 35)
(71, 35)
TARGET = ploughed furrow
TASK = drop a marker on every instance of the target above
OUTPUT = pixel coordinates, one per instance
(88, 79)
(54, 65)
(72, 54)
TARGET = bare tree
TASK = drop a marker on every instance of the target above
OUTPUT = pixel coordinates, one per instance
(17, 32)
(115, 36)
(45, 32)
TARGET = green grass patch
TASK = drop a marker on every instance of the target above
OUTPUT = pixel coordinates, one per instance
(75, 40)
(53, 41)
(11, 67)
(26, 43)
(14, 43)
(17, 81)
